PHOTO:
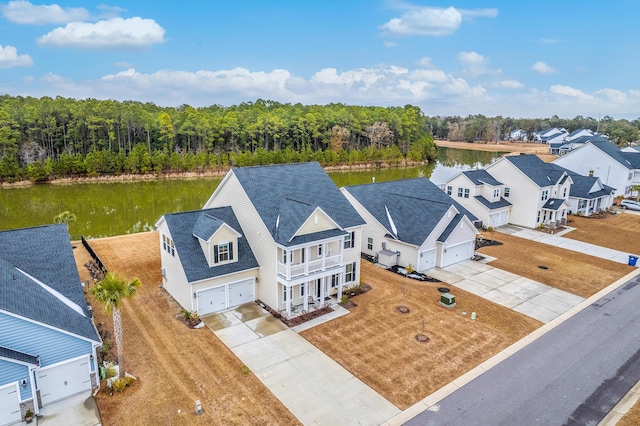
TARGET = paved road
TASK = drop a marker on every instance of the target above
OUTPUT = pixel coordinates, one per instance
(573, 375)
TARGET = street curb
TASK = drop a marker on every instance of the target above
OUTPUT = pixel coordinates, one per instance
(431, 401)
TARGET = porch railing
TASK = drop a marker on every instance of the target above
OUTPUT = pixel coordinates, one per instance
(306, 268)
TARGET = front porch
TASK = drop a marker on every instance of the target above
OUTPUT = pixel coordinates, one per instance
(310, 295)
(309, 259)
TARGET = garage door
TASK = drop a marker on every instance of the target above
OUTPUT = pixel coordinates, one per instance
(427, 260)
(457, 253)
(241, 292)
(64, 380)
(9, 404)
(212, 300)
(499, 219)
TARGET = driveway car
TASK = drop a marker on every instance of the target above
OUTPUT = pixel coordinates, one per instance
(630, 204)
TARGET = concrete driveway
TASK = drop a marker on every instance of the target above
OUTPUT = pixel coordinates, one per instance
(523, 295)
(316, 389)
(79, 410)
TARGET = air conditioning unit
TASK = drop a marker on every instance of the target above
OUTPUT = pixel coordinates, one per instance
(448, 300)
(163, 271)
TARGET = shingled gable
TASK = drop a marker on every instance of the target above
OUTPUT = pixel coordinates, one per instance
(481, 177)
(39, 280)
(286, 195)
(183, 227)
(541, 173)
(408, 209)
(207, 225)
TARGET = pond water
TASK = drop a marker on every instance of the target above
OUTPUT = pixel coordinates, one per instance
(115, 208)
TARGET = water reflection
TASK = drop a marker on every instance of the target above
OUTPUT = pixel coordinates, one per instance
(106, 209)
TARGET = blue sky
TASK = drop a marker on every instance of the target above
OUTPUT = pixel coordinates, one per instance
(509, 58)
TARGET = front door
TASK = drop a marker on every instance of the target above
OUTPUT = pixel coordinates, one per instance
(321, 289)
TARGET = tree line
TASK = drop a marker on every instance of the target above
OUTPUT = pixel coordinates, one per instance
(45, 138)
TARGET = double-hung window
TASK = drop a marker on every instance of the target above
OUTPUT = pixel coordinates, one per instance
(349, 240)
(466, 193)
(350, 272)
(369, 243)
(449, 190)
(223, 252)
(460, 192)
(506, 192)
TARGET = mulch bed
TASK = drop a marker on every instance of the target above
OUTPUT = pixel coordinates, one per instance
(483, 242)
(419, 276)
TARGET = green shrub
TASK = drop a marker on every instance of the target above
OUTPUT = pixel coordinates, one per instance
(110, 372)
(119, 385)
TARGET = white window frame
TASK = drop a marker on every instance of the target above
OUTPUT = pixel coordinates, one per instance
(449, 190)
(545, 195)
(349, 240)
(496, 192)
(507, 190)
(459, 192)
(284, 294)
(466, 193)
(350, 272)
(302, 289)
(223, 251)
(369, 243)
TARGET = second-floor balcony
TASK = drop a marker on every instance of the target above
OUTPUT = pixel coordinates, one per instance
(308, 260)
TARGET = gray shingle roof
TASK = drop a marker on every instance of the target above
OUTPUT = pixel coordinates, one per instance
(543, 174)
(481, 176)
(188, 247)
(291, 192)
(45, 253)
(627, 159)
(19, 356)
(553, 203)
(501, 203)
(415, 205)
(206, 225)
(583, 184)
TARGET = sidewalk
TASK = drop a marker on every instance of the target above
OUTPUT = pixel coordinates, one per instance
(558, 240)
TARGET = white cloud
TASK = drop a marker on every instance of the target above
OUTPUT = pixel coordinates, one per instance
(106, 34)
(425, 62)
(475, 64)
(569, 91)
(9, 58)
(389, 44)
(508, 84)
(543, 68)
(25, 12)
(431, 21)
(471, 58)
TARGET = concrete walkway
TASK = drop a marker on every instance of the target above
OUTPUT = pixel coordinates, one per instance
(80, 410)
(523, 295)
(316, 389)
(558, 240)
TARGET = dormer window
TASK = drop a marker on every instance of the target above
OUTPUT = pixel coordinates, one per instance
(496, 193)
(222, 252)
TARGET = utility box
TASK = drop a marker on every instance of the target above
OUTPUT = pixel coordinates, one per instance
(198, 408)
(448, 300)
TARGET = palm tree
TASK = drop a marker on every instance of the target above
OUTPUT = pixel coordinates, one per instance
(65, 217)
(110, 292)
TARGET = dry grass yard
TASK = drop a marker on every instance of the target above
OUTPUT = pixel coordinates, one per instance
(377, 344)
(570, 271)
(175, 365)
(618, 231)
(513, 148)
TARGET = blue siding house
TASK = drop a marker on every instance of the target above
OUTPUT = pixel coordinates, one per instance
(47, 336)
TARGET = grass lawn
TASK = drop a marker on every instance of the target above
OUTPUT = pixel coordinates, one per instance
(570, 271)
(377, 344)
(175, 365)
(632, 418)
(619, 232)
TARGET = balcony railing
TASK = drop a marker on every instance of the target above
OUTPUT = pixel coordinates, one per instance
(289, 271)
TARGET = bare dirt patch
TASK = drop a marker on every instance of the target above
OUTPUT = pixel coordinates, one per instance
(380, 347)
(632, 418)
(175, 365)
(567, 270)
(618, 231)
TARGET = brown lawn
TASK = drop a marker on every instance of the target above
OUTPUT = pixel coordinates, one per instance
(175, 365)
(632, 418)
(570, 271)
(377, 344)
(541, 150)
(618, 232)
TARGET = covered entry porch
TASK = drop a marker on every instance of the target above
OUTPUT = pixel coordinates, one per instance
(310, 293)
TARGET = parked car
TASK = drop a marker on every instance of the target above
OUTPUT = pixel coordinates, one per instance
(630, 204)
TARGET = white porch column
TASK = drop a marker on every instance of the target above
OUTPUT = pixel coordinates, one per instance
(287, 256)
(340, 279)
(342, 251)
(306, 296)
(325, 252)
(307, 258)
(288, 302)
(322, 286)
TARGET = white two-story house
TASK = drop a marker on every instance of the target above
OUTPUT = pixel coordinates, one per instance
(538, 191)
(600, 158)
(481, 194)
(304, 234)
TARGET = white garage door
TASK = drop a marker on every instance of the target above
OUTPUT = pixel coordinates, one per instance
(499, 219)
(241, 292)
(64, 380)
(9, 404)
(212, 300)
(457, 253)
(427, 260)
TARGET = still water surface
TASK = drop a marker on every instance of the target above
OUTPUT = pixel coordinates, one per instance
(116, 208)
